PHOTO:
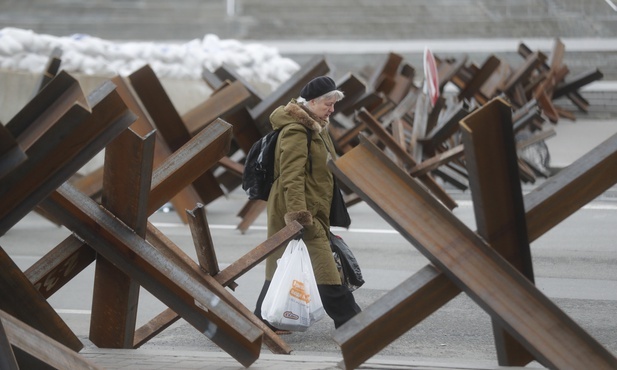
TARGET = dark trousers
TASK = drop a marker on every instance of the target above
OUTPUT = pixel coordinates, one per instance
(337, 300)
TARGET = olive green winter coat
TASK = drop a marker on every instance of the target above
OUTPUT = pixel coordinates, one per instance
(299, 193)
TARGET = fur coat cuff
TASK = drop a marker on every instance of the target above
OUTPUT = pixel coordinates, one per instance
(304, 218)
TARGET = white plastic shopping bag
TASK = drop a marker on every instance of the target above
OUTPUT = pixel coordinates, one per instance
(292, 301)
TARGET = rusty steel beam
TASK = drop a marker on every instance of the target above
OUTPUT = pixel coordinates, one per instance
(537, 137)
(402, 109)
(552, 78)
(370, 100)
(472, 88)
(402, 154)
(40, 346)
(11, 155)
(19, 298)
(354, 89)
(52, 271)
(181, 168)
(419, 127)
(468, 262)
(398, 128)
(577, 99)
(42, 158)
(185, 198)
(65, 261)
(7, 357)
(170, 125)
(154, 327)
(448, 70)
(532, 62)
(530, 118)
(126, 182)
(492, 164)
(388, 67)
(287, 90)
(68, 259)
(450, 173)
(233, 168)
(228, 73)
(211, 79)
(37, 129)
(464, 75)
(564, 113)
(231, 177)
(402, 85)
(91, 183)
(245, 130)
(177, 286)
(383, 135)
(223, 102)
(163, 320)
(555, 74)
(159, 106)
(63, 149)
(256, 255)
(75, 256)
(45, 108)
(345, 139)
(518, 95)
(164, 244)
(437, 160)
(432, 120)
(492, 87)
(397, 311)
(202, 239)
(577, 82)
(249, 213)
(51, 69)
(571, 187)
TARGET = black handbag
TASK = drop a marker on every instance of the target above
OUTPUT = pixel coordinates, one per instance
(338, 210)
(346, 262)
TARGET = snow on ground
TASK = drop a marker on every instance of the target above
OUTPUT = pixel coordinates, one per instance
(26, 51)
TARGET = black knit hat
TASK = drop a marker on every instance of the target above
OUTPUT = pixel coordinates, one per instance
(317, 87)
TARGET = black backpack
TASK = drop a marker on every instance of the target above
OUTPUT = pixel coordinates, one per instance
(258, 174)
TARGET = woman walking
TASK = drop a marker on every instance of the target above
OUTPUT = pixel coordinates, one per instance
(303, 189)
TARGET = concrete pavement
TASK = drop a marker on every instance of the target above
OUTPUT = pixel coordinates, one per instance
(180, 360)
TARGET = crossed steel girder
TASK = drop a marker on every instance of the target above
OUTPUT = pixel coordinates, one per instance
(466, 262)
